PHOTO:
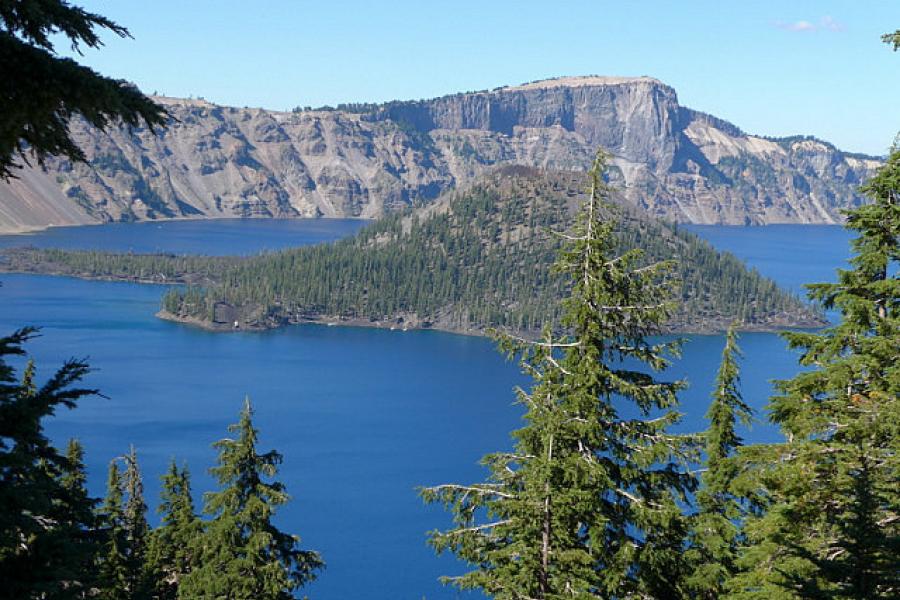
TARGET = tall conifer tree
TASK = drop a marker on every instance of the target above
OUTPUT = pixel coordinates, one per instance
(715, 529)
(586, 505)
(37, 510)
(76, 542)
(113, 568)
(172, 547)
(832, 525)
(242, 554)
(123, 568)
(136, 529)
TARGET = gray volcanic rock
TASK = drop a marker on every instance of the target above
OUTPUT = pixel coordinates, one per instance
(215, 161)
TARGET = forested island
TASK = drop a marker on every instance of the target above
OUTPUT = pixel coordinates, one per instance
(478, 258)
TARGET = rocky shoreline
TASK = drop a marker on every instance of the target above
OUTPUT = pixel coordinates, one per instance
(409, 322)
(714, 327)
(399, 324)
(412, 322)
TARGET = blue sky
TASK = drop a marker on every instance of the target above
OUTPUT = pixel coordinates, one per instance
(772, 68)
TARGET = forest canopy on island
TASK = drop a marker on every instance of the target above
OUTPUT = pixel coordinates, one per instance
(478, 258)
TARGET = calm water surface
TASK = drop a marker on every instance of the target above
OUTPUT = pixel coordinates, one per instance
(223, 236)
(790, 254)
(362, 416)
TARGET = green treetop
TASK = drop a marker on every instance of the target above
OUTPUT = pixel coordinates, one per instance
(586, 505)
(242, 554)
(715, 533)
(172, 545)
(123, 568)
(113, 569)
(832, 528)
(137, 530)
(77, 541)
(43, 512)
(726, 410)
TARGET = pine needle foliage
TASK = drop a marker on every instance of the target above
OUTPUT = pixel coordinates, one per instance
(113, 566)
(44, 512)
(123, 566)
(832, 525)
(242, 554)
(587, 503)
(42, 91)
(137, 530)
(77, 537)
(715, 529)
(172, 549)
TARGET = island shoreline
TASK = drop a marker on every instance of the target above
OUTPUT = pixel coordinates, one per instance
(393, 324)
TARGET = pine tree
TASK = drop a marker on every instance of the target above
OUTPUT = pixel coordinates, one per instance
(832, 525)
(242, 554)
(136, 529)
(586, 505)
(123, 567)
(74, 476)
(715, 533)
(171, 551)
(113, 568)
(37, 511)
(76, 542)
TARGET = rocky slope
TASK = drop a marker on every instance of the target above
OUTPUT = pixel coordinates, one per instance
(366, 160)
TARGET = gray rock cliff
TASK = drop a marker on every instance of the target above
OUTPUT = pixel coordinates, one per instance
(216, 161)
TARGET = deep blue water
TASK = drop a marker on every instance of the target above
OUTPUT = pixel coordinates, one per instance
(362, 416)
(224, 236)
(790, 254)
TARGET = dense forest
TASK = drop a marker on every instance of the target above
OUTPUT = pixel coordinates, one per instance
(478, 258)
(593, 504)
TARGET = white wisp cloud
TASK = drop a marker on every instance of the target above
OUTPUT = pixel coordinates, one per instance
(826, 23)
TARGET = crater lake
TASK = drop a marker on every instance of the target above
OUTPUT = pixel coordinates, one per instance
(362, 416)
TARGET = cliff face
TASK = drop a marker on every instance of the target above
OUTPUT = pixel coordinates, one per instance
(635, 118)
(216, 161)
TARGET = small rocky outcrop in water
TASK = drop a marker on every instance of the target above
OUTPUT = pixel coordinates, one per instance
(216, 161)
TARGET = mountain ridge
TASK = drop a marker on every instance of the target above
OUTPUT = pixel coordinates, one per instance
(366, 160)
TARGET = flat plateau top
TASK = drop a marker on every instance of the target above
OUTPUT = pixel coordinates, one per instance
(589, 80)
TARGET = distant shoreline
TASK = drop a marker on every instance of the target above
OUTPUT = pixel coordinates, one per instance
(309, 319)
(28, 229)
(716, 328)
